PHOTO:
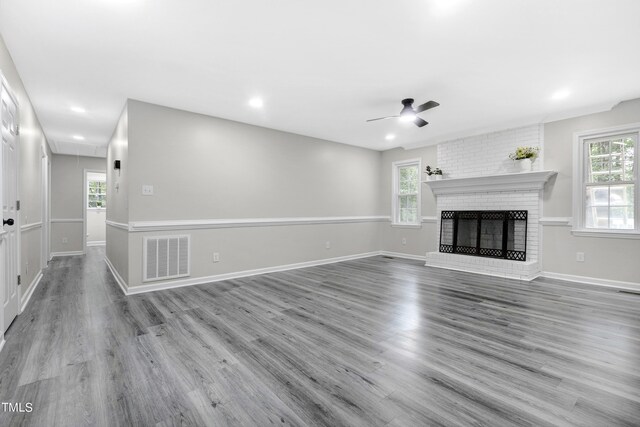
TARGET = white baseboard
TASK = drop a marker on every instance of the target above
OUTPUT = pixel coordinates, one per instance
(24, 300)
(402, 255)
(121, 282)
(97, 243)
(238, 274)
(70, 253)
(592, 281)
(2, 344)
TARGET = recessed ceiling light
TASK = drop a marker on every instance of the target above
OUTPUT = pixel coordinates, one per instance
(78, 110)
(390, 137)
(560, 94)
(78, 137)
(256, 102)
(443, 8)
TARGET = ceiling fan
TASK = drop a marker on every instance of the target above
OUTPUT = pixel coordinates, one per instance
(409, 114)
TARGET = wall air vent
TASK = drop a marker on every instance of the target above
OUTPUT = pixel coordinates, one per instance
(166, 257)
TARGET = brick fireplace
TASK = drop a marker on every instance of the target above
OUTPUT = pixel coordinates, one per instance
(480, 177)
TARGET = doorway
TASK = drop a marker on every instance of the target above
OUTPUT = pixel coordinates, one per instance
(10, 231)
(95, 208)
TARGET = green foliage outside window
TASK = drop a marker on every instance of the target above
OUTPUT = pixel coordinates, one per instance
(408, 183)
(610, 183)
(97, 195)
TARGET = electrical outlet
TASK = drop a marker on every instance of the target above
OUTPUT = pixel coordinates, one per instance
(404, 240)
(580, 256)
(216, 257)
(327, 244)
(65, 240)
(147, 190)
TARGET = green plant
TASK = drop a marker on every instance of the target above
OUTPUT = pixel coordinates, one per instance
(525, 153)
(436, 171)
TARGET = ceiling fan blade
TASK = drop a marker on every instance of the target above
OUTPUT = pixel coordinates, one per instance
(426, 106)
(419, 122)
(382, 118)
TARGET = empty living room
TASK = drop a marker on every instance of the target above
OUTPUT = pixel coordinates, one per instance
(337, 213)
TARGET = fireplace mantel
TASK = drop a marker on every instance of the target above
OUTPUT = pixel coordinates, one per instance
(522, 181)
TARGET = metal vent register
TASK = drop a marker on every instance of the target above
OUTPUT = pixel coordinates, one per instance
(166, 257)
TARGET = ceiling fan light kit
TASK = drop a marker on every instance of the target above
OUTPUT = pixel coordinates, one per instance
(409, 114)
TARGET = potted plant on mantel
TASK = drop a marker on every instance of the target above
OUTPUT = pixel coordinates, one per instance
(524, 158)
(433, 174)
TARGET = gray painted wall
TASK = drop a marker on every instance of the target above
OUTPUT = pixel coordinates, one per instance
(605, 258)
(203, 167)
(417, 241)
(32, 143)
(67, 200)
(117, 250)
(118, 180)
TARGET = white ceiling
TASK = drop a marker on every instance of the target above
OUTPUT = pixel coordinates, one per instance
(323, 67)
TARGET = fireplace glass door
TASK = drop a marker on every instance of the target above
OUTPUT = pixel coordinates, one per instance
(497, 234)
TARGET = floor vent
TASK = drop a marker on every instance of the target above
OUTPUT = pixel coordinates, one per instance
(166, 257)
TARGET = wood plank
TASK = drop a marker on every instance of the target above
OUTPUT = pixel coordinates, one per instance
(374, 341)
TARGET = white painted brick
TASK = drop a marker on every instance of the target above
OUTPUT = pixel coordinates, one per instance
(486, 154)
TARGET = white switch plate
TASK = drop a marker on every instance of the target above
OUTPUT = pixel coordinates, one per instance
(580, 256)
(147, 190)
(216, 257)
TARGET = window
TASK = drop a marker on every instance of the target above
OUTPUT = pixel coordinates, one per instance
(406, 193)
(96, 194)
(608, 182)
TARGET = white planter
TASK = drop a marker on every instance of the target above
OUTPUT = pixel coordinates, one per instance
(438, 177)
(524, 165)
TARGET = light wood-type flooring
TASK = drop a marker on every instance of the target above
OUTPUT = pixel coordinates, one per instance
(371, 342)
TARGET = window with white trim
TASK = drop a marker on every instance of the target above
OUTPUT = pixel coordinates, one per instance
(96, 193)
(406, 192)
(608, 184)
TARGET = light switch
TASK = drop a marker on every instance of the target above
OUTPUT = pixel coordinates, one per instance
(147, 190)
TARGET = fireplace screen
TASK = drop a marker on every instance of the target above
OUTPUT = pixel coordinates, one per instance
(497, 234)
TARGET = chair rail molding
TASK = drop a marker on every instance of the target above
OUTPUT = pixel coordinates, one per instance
(556, 221)
(32, 226)
(194, 224)
(120, 225)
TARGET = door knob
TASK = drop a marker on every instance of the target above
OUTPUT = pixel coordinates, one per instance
(7, 221)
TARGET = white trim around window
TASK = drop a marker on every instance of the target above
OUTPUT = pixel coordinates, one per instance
(395, 193)
(580, 182)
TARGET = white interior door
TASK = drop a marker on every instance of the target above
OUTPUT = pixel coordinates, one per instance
(9, 161)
